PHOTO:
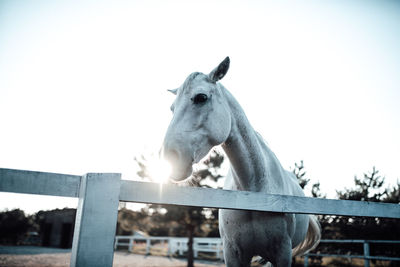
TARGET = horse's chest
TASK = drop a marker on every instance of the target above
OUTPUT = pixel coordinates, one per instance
(252, 229)
(236, 226)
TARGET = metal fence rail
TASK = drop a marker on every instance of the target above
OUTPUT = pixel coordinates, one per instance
(366, 256)
(99, 194)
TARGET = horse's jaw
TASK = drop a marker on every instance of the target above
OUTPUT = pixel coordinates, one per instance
(181, 173)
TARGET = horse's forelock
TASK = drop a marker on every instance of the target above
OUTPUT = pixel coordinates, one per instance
(192, 77)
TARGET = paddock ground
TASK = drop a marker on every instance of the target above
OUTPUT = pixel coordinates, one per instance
(28, 256)
(48, 257)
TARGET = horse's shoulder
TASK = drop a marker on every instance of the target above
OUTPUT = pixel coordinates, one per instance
(295, 186)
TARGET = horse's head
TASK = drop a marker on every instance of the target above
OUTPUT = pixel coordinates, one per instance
(201, 120)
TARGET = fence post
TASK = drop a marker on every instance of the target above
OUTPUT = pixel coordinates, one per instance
(366, 253)
(148, 245)
(195, 249)
(306, 260)
(220, 251)
(169, 247)
(96, 220)
(181, 244)
(116, 243)
(131, 243)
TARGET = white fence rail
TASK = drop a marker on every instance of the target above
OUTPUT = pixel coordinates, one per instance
(176, 245)
(99, 195)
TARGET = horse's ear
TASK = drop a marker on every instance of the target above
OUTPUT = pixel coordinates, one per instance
(219, 72)
(174, 91)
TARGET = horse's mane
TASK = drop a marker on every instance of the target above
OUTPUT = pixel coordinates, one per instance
(190, 78)
(260, 137)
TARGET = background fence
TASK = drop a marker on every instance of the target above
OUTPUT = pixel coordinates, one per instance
(174, 245)
(366, 251)
(178, 245)
(100, 193)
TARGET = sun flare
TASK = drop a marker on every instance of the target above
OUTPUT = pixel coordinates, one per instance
(159, 170)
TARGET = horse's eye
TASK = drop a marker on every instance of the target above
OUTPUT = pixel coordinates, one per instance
(200, 98)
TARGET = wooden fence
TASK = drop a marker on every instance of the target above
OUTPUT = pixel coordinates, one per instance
(100, 193)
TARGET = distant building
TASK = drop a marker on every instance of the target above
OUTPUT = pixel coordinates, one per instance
(58, 228)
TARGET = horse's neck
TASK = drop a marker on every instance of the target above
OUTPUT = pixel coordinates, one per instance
(254, 166)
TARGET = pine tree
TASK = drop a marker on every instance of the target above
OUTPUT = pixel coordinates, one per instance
(369, 188)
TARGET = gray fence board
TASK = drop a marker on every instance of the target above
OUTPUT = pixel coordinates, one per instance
(41, 183)
(213, 198)
(31, 182)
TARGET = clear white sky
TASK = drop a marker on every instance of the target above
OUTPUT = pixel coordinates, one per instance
(83, 84)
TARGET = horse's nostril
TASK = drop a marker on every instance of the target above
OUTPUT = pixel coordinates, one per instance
(172, 155)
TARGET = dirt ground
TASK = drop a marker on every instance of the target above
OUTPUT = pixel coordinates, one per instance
(22, 256)
(46, 257)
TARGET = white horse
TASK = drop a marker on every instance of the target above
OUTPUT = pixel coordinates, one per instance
(205, 114)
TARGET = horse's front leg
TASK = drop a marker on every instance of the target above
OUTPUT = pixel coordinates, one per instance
(235, 257)
(281, 254)
(284, 259)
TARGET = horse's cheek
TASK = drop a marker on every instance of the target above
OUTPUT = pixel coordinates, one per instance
(220, 128)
